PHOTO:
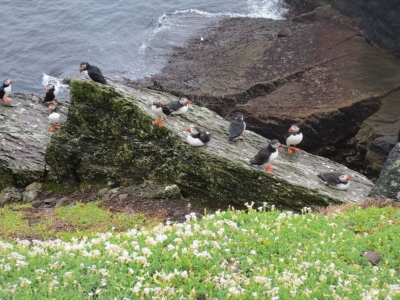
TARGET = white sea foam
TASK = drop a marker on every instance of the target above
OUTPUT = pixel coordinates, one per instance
(47, 79)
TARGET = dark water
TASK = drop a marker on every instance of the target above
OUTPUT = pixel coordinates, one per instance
(44, 41)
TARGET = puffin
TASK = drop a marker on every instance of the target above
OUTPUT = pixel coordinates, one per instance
(179, 107)
(197, 137)
(54, 118)
(156, 108)
(294, 137)
(51, 93)
(92, 72)
(267, 155)
(5, 90)
(236, 128)
(336, 180)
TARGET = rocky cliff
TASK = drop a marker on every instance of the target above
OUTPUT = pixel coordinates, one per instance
(380, 19)
(110, 138)
(314, 70)
(24, 134)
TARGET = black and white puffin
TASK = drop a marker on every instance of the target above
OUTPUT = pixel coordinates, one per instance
(267, 155)
(294, 137)
(51, 94)
(197, 137)
(92, 72)
(54, 118)
(5, 90)
(337, 180)
(179, 107)
(156, 108)
(236, 128)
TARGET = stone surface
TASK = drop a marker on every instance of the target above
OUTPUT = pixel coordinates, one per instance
(378, 18)
(321, 74)
(10, 195)
(379, 133)
(24, 133)
(388, 183)
(31, 192)
(110, 136)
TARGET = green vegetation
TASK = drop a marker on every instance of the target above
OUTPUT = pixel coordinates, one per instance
(64, 223)
(233, 254)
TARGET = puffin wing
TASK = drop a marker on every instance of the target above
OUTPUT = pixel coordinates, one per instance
(169, 108)
(261, 157)
(236, 129)
(95, 74)
(331, 178)
(205, 137)
(2, 92)
(49, 97)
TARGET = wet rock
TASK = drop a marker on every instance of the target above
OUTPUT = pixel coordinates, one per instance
(24, 134)
(388, 183)
(110, 136)
(10, 195)
(31, 192)
(155, 192)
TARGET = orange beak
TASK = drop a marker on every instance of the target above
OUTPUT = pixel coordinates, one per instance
(47, 90)
(160, 103)
(290, 129)
(280, 146)
(188, 101)
(188, 129)
(80, 70)
(349, 178)
(11, 81)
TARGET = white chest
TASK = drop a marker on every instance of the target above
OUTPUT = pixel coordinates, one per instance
(273, 156)
(194, 141)
(54, 118)
(181, 111)
(157, 111)
(342, 186)
(294, 139)
(7, 91)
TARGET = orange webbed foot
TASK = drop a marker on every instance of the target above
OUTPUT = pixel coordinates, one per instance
(6, 100)
(296, 149)
(58, 126)
(157, 121)
(54, 102)
(268, 169)
(290, 151)
(161, 123)
(52, 128)
(89, 80)
(241, 138)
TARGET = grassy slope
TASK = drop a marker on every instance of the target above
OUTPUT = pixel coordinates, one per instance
(244, 255)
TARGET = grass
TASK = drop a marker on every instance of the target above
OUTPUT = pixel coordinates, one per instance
(235, 254)
(64, 223)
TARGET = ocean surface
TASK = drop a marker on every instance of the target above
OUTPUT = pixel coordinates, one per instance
(45, 41)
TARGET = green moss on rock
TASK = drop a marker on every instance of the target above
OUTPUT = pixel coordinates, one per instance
(110, 138)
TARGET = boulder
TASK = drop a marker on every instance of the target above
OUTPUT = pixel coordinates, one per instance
(388, 183)
(10, 195)
(315, 71)
(110, 138)
(24, 134)
(31, 192)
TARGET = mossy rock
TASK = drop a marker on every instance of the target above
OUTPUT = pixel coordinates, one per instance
(110, 137)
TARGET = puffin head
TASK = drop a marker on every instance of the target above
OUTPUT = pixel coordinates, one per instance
(275, 144)
(157, 102)
(193, 130)
(50, 87)
(345, 177)
(184, 101)
(7, 82)
(294, 128)
(239, 117)
(83, 66)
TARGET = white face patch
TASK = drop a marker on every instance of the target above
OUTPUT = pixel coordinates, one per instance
(7, 82)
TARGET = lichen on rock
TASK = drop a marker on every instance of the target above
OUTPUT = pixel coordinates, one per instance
(110, 137)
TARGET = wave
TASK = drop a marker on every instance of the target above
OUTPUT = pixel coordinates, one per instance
(47, 79)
